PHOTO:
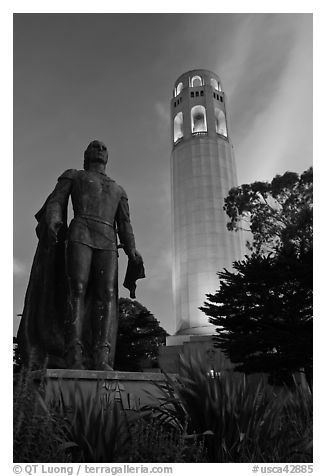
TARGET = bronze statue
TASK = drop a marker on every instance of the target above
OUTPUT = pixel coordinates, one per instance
(71, 307)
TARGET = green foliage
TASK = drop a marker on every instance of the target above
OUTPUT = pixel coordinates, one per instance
(263, 313)
(153, 442)
(91, 429)
(200, 418)
(40, 434)
(103, 431)
(296, 423)
(238, 420)
(278, 214)
(139, 337)
(263, 309)
(97, 425)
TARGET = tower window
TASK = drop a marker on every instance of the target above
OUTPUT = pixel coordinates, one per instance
(178, 127)
(175, 104)
(196, 81)
(179, 88)
(192, 94)
(221, 98)
(197, 93)
(202, 93)
(215, 84)
(220, 122)
(198, 119)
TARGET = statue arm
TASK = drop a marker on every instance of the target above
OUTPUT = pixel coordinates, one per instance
(56, 207)
(124, 228)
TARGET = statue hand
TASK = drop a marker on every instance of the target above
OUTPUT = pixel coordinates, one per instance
(135, 256)
(53, 231)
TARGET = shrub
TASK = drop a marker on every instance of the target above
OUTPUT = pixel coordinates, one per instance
(153, 442)
(40, 434)
(97, 425)
(238, 419)
(201, 417)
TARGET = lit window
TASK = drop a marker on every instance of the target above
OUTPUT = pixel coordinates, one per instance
(179, 88)
(178, 127)
(196, 81)
(220, 123)
(214, 83)
(198, 119)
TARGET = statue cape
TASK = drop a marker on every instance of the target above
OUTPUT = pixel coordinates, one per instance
(41, 332)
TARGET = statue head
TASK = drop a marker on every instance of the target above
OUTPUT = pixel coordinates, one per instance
(96, 152)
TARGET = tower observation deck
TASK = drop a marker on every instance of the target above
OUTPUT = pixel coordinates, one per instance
(203, 171)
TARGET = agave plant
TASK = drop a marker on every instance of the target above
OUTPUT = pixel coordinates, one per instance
(225, 405)
(295, 407)
(40, 435)
(240, 419)
(151, 441)
(97, 425)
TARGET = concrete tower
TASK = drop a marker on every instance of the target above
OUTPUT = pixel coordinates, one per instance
(203, 171)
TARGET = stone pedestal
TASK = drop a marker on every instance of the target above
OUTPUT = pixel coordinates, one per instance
(132, 389)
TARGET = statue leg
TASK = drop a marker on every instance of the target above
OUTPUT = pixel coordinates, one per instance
(105, 311)
(79, 258)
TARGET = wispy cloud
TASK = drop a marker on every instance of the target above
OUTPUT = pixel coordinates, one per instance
(269, 82)
(232, 62)
(160, 269)
(163, 113)
(279, 134)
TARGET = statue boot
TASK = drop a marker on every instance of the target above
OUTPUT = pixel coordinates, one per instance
(102, 357)
(74, 350)
(105, 334)
(74, 354)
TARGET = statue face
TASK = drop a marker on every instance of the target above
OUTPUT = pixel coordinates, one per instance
(96, 152)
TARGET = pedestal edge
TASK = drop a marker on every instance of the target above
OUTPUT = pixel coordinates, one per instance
(98, 375)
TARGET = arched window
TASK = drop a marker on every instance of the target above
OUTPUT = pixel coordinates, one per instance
(179, 88)
(216, 85)
(220, 122)
(178, 127)
(196, 81)
(198, 119)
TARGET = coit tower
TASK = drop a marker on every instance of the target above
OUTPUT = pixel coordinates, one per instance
(203, 171)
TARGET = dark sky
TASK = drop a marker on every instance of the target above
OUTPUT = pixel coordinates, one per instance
(79, 77)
